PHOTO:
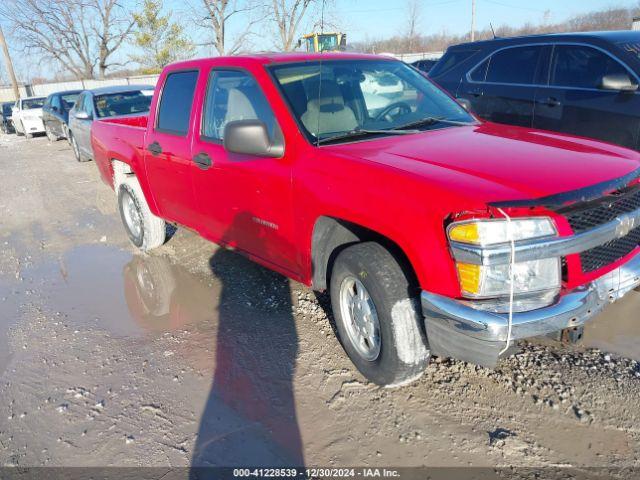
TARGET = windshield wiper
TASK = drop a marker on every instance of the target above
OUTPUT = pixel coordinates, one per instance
(363, 132)
(426, 121)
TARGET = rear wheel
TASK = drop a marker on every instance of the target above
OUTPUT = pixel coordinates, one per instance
(145, 230)
(50, 135)
(377, 313)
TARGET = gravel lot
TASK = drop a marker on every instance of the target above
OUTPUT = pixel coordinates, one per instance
(194, 355)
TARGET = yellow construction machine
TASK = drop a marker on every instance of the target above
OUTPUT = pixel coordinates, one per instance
(324, 42)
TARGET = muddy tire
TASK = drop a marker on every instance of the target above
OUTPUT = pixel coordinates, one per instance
(75, 148)
(378, 315)
(145, 230)
(50, 135)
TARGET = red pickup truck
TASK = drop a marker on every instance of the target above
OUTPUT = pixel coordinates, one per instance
(434, 232)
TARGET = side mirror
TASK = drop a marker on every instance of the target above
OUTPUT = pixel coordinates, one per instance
(466, 104)
(54, 108)
(619, 82)
(82, 116)
(251, 137)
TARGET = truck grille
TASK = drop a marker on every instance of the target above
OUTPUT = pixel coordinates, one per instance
(599, 212)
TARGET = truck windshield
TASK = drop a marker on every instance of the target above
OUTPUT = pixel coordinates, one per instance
(123, 103)
(334, 98)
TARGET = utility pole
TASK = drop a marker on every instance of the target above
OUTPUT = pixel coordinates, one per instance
(7, 60)
(473, 20)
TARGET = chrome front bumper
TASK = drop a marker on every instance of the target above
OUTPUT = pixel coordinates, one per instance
(457, 330)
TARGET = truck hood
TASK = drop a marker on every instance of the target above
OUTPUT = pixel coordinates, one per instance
(498, 163)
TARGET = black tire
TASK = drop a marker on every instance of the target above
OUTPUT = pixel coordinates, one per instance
(75, 148)
(152, 232)
(403, 353)
(50, 135)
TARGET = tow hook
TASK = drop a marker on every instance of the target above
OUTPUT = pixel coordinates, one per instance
(571, 335)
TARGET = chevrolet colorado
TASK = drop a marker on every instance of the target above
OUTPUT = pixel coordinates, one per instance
(433, 232)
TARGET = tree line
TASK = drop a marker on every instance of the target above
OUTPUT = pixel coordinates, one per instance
(85, 38)
(409, 38)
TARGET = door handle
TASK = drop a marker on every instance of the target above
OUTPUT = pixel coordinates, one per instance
(155, 149)
(203, 161)
(550, 102)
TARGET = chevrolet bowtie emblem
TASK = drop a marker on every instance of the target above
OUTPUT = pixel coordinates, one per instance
(625, 225)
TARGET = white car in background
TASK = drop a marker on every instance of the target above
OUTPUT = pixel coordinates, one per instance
(380, 91)
(27, 116)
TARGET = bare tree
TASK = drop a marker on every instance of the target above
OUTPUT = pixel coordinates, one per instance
(113, 27)
(218, 15)
(288, 15)
(413, 21)
(79, 35)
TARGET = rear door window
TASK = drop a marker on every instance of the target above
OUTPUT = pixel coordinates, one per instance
(516, 65)
(176, 102)
(580, 66)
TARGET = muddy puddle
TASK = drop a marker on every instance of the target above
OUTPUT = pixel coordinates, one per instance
(104, 287)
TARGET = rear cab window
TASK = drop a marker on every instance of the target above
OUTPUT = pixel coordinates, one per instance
(176, 101)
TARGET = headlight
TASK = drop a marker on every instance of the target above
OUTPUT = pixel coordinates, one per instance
(491, 232)
(542, 277)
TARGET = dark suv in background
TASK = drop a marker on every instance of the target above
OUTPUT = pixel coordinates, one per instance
(582, 83)
(6, 126)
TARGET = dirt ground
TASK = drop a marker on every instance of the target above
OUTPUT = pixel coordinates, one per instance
(193, 355)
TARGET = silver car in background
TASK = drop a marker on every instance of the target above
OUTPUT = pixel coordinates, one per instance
(115, 101)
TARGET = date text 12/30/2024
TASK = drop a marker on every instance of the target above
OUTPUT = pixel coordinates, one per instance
(315, 473)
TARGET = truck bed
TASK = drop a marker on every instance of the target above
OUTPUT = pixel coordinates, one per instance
(118, 138)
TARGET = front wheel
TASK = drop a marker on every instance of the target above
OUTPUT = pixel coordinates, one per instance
(145, 230)
(377, 313)
(75, 148)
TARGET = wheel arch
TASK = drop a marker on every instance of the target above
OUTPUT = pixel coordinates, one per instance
(331, 235)
(119, 170)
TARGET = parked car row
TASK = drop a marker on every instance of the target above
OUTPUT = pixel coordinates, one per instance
(69, 114)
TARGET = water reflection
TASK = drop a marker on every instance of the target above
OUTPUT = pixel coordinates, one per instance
(162, 296)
